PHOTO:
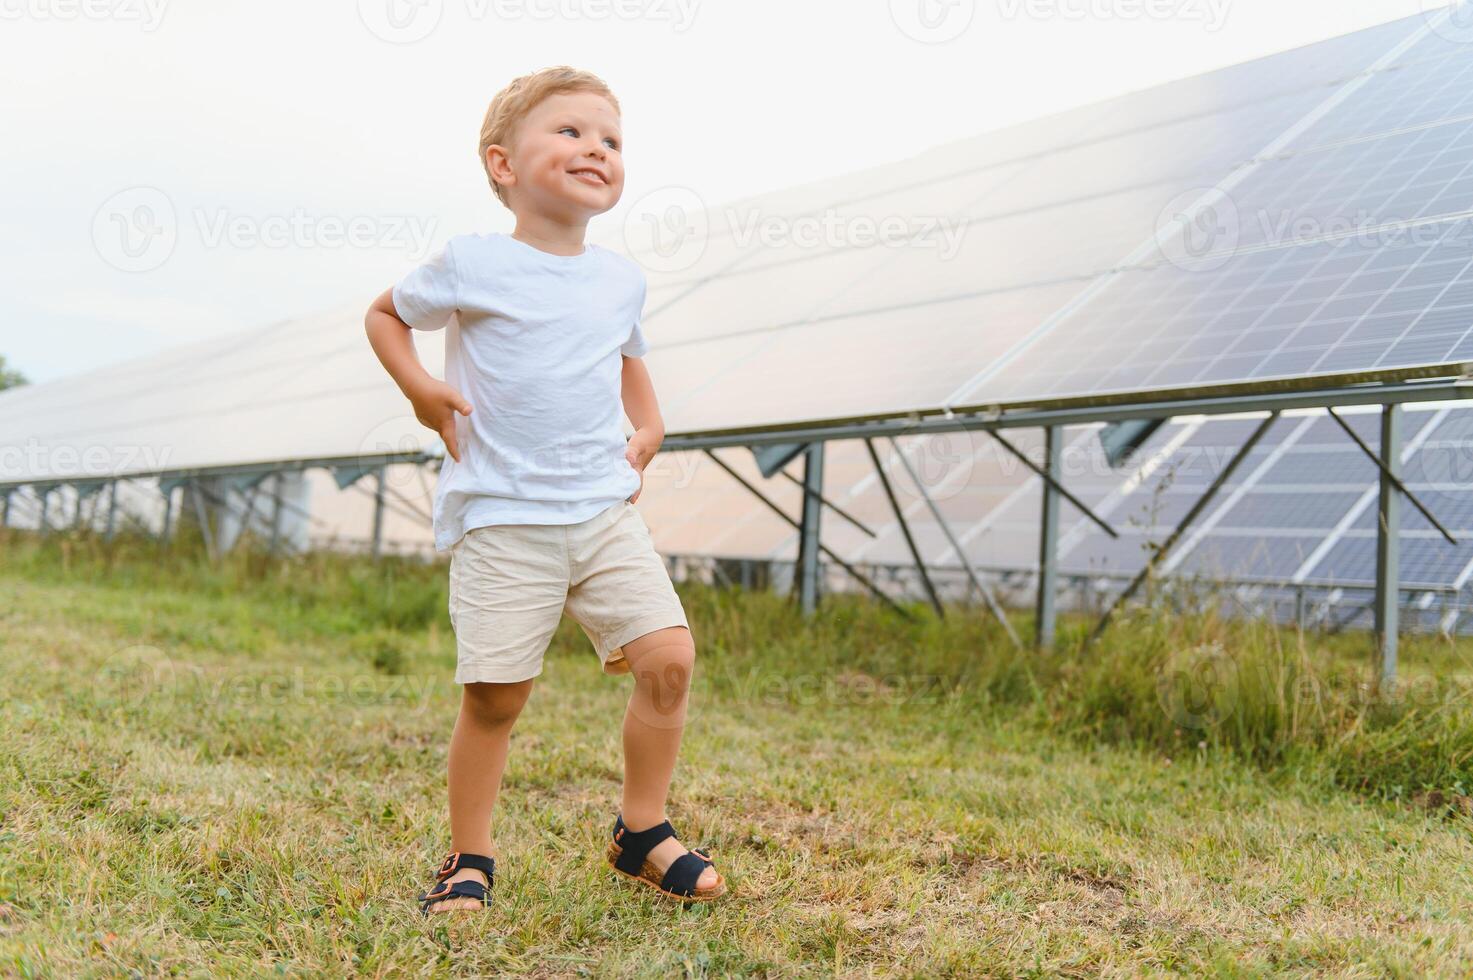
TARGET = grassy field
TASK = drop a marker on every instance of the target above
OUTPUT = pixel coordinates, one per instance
(239, 770)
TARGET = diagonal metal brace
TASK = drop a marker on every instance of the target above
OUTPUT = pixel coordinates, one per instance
(987, 596)
(829, 504)
(1181, 528)
(1047, 478)
(910, 542)
(821, 546)
(1395, 480)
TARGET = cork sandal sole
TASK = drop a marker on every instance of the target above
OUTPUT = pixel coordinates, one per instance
(651, 875)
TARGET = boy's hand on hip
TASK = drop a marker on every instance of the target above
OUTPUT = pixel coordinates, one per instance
(639, 451)
(435, 404)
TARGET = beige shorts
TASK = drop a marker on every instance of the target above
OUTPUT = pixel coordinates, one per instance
(511, 583)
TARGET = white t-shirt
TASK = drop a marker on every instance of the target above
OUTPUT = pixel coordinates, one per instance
(534, 345)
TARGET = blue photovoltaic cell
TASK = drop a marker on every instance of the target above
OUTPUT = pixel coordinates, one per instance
(1171, 327)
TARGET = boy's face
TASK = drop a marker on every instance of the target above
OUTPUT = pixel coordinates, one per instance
(566, 159)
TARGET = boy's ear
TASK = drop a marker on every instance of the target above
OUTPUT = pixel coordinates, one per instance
(498, 165)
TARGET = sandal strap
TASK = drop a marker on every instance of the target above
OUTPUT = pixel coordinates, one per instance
(456, 860)
(683, 873)
(459, 889)
(635, 846)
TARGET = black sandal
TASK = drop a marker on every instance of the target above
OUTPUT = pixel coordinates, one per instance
(628, 854)
(469, 888)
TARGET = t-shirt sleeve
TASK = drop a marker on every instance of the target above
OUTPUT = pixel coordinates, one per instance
(635, 346)
(427, 295)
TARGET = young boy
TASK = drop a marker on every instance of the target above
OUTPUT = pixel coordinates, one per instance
(535, 500)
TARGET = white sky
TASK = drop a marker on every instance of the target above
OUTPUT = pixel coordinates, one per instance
(255, 111)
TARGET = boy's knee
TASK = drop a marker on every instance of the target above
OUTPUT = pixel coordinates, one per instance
(493, 705)
(665, 661)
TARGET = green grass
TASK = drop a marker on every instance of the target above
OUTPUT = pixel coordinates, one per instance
(239, 769)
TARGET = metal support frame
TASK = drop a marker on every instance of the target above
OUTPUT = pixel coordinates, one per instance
(1392, 473)
(808, 530)
(378, 512)
(915, 553)
(1197, 508)
(829, 504)
(858, 576)
(1053, 482)
(5, 508)
(112, 511)
(203, 516)
(992, 604)
(277, 491)
(168, 517)
(1388, 531)
(1046, 608)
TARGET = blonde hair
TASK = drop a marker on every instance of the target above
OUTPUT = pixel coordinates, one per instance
(511, 105)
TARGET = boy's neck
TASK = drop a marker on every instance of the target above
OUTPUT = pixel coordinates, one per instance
(550, 236)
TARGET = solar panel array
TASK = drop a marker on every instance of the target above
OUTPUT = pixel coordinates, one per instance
(1320, 196)
(300, 389)
(1300, 509)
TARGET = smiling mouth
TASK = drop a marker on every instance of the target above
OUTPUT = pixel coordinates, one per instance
(588, 176)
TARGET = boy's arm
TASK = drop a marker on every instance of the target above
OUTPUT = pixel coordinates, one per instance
(435, 402)
(643, 410)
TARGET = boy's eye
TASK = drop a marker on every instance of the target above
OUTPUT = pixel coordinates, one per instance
(613, 143)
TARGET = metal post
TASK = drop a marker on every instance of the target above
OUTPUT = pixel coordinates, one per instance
(808, 530)
(45, 505)
(1299, 608)
(378, 512)
(1048, 540)
(277, 492)
(859, 576)
(5, 509)
(168, 517)
(1388, 530)
(202, 515)
(112, 510)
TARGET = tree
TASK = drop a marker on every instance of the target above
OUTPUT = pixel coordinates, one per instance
(9, 378)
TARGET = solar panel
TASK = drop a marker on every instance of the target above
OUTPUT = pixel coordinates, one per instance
(1322, 308)
(1056, 258)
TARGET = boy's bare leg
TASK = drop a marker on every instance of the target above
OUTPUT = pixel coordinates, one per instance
(478, 751)
(661, 663)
